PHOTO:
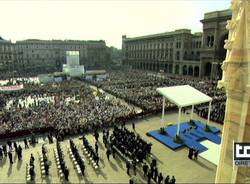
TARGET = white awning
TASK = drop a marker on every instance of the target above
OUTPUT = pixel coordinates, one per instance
(184, 95)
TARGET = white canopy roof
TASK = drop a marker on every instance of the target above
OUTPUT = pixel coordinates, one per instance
(184, 95)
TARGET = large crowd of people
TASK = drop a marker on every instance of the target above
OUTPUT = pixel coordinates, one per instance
(85, 111)
(73, 107)
(139, 88)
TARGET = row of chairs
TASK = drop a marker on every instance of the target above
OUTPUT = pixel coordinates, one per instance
(76, 163)
(28, 176)
(87, 152)
(60, 172)
(43, 175)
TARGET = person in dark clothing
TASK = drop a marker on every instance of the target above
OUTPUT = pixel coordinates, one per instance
(196, 152)
(96, 136)
(190, 153)
(9, 144)
(131, 181)
(134, 166)
(167, 179)
(26, 143)
(19, 152)
(172, 180)
(10, 157)
(96, 148)
(145, 170)
(133, 126)
(1, 153)
(104, 139)
(32, 173)
(32, 159)
(46, 167)
(66, 174)
(5, 149)
(154, 162)
(155, 174)
(149, 175)
(108, 153)
(97, 160)
(160, 178)
(113, 152)
(82, 167)
(15, 146)
(33, 140)
(128, 166)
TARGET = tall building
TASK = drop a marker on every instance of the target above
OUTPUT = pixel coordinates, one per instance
(6, 55)
(181, 52)
(170, 51)
(43, 56)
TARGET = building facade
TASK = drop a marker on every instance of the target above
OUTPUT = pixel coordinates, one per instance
(180, 52)
(44, 56)
(6, 55)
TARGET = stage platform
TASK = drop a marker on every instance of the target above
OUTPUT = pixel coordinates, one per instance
(190, 138)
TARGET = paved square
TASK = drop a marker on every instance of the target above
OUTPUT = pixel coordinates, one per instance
(114, 171)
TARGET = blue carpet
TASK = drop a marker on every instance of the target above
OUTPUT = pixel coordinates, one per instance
(202, 126)
(165, 139)
(190, 138)
(194, 144)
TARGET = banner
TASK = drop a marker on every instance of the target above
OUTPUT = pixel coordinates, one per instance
(11, 88)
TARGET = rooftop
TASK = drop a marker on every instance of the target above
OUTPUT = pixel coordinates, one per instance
(217, 14)
(165, 34)
(62, 41)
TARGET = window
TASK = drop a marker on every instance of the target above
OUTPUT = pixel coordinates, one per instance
(177, 55)
(210, 41)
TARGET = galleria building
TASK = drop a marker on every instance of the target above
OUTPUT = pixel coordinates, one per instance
(181, 52)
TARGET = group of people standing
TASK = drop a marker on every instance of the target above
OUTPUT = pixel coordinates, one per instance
(193, 154)
(8, 149)
(130, 144)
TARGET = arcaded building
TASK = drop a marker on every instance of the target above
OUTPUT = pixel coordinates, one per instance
(181, 52)
(43, 56)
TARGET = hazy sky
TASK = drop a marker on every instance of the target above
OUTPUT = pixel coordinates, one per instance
(101, 19)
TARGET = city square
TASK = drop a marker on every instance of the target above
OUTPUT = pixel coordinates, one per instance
(95, 103)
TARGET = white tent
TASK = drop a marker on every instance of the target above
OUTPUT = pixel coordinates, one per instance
(183, 96)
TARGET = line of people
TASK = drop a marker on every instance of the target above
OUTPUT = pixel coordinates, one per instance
(93, 153)
(77, 156)
(63, 166)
